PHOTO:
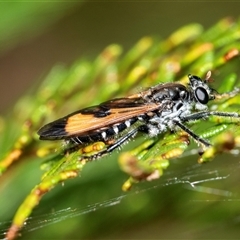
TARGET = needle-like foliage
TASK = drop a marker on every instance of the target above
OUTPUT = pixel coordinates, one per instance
(115, 73)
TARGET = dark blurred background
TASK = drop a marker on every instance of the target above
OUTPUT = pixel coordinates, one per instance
(36, 36)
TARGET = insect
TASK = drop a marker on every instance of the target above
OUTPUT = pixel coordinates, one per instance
(168, 106)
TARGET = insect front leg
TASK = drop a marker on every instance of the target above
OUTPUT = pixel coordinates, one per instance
(203, 115)
(206, 114)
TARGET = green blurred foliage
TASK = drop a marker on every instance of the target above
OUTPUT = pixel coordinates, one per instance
(189, 201)
(21, 20)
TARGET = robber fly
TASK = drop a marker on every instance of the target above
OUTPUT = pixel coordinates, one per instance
(167, 106)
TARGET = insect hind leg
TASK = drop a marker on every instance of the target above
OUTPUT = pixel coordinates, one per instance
(117, 143)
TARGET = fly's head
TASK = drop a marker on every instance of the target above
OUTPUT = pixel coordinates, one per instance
(200, 91)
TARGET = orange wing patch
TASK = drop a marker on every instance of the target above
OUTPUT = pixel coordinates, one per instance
(79, 123)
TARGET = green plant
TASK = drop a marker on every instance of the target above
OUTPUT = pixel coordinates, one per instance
(190, 49)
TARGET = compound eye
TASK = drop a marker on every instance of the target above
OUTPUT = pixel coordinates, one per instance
(201, 95)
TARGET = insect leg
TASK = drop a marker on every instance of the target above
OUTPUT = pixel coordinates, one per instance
(192, 134)
(206, 114)
(118, 143)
